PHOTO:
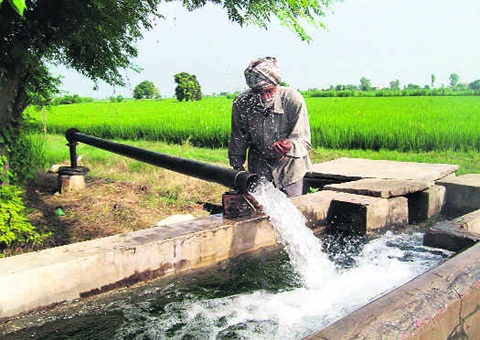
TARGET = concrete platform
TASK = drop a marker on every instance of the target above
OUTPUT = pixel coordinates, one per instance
(455, 235)
(352, 213)
(425, 204)
(462, 194)
(350, 169)
(418, 182)
(380, 187)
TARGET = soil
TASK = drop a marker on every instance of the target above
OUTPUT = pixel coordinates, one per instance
(106, 207)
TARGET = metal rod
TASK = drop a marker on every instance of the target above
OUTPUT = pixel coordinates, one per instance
(239, 180)
(73, 154)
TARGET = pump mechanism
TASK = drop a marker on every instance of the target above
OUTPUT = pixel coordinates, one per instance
(242, 182)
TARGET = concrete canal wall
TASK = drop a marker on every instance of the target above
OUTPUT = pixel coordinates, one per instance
(447, 297)
(443, 303)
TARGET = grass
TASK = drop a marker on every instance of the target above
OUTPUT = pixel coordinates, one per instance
(393, 123)
(103, 162)
(396, 123)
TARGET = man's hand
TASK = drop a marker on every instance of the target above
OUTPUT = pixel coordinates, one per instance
(281, 147)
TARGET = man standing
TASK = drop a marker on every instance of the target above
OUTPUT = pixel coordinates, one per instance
(271, 122)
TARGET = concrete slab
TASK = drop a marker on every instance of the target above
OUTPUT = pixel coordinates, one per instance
(462, 194)
(456, 234)
(315, 207)
(470, 180)
(175, 219)
(470, 222)
(449, 235)
(378, 187)
(350, 212)
(425, 204)
(348, 169)
(363, 214)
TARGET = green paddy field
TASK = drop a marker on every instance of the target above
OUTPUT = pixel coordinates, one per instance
(392, 123)
(427, 129)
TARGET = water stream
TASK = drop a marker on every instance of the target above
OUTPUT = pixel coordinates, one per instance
(287, 294)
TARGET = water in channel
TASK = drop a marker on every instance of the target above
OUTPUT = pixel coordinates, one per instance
(284, 294)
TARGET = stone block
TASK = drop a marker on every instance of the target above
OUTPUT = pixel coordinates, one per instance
(314, 207)
(71, 183)
(470, 222)
(379, 187)
(361, 214)
(349, 169)
(449, 235)
(397, 212)
(462, 194)
(425, 204)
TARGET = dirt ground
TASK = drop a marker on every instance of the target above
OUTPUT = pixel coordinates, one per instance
(106, 207)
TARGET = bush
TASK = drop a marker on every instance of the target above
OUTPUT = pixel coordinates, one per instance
(116, 99)
(71, 99)
(15, 229)
(27, 155)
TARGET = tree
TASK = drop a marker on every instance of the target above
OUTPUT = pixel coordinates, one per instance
(412, 87)
(454, 78)
(146, 90)
(97, 38)
(365, 84)
(461, 87)
(188, 87)
(474, 85)
(432, 80)
(395, 85)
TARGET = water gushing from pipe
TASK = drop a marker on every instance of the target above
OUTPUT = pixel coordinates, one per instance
(302, 246)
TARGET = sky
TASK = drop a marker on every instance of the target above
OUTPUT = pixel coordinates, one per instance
(382, 40)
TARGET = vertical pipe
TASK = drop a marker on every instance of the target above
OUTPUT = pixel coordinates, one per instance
(73, 153)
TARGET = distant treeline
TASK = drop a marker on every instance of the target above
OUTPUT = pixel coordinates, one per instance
(71, 99)
(445, 91)
(364, 89)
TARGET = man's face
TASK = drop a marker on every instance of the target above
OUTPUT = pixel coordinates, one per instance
(266, 89)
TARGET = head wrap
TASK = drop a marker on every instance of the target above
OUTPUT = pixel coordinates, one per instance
(263, 72)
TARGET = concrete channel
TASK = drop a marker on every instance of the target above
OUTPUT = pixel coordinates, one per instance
(356, 195)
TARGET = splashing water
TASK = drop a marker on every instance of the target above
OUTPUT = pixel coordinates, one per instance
(325, 293)
(302, 246)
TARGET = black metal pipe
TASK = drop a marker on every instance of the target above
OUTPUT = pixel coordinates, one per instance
(238, 180)
(73, 153)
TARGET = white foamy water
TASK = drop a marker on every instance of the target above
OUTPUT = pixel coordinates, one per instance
(326, 293)
(294, 314)
(303, 248)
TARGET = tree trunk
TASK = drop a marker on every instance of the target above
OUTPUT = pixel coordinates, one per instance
(12, 104)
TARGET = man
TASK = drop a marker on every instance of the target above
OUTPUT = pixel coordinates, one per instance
(271, 122)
